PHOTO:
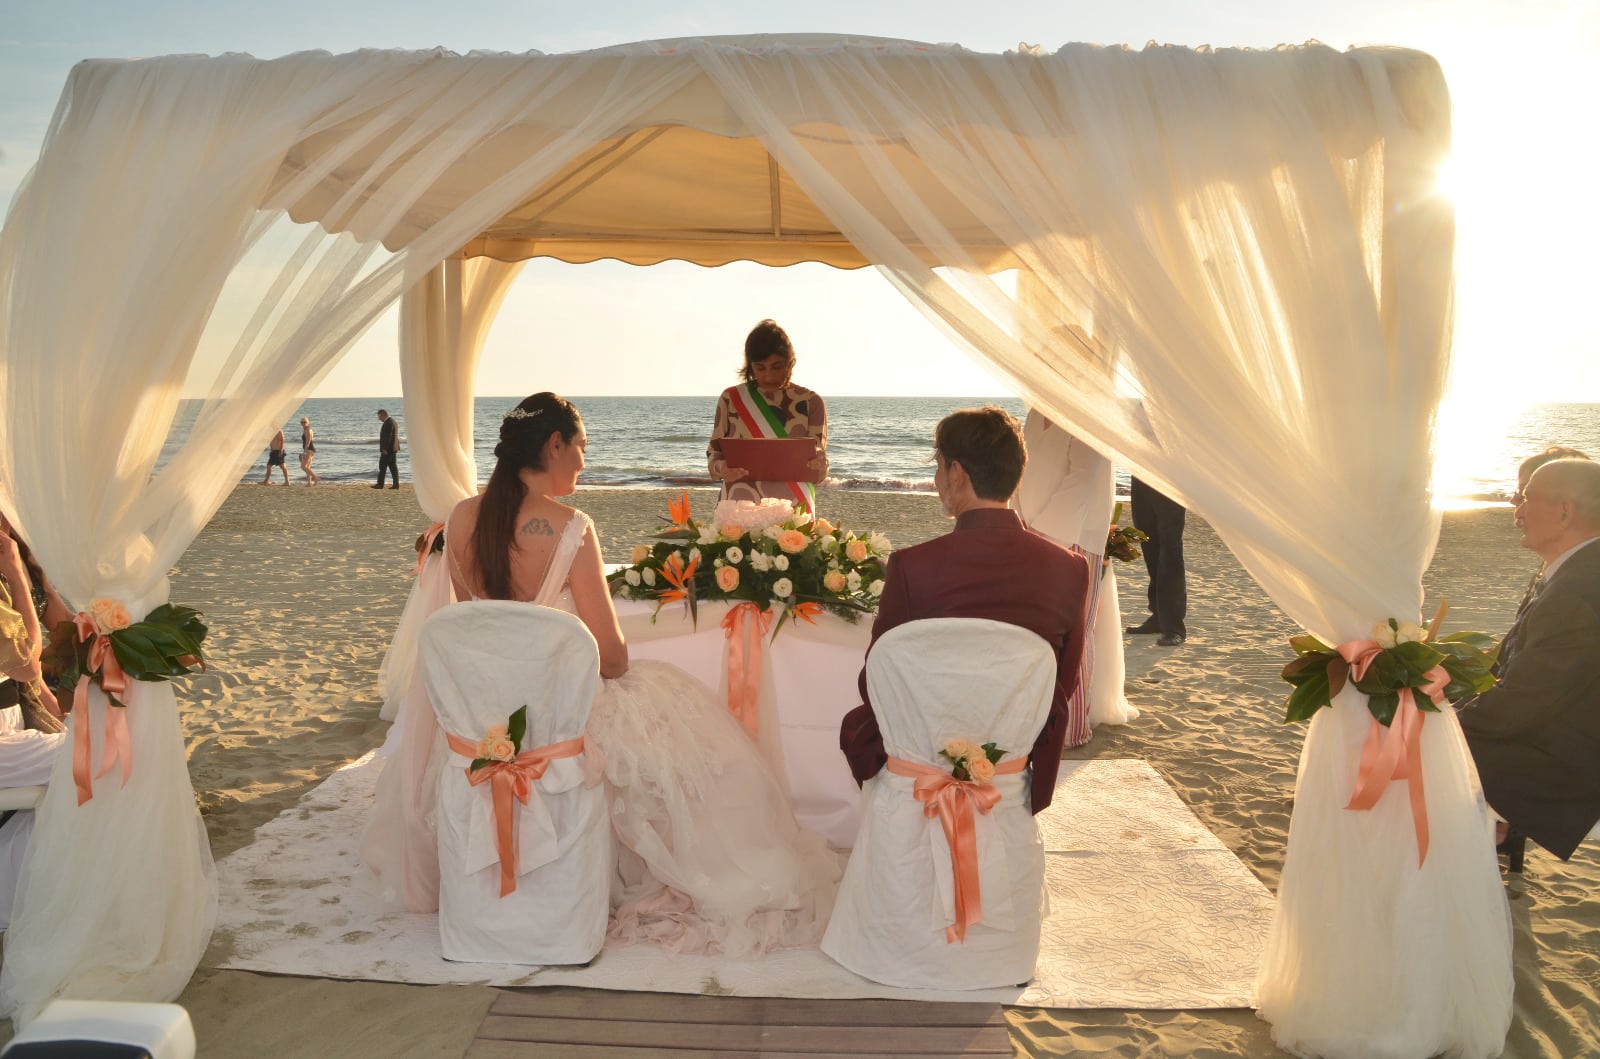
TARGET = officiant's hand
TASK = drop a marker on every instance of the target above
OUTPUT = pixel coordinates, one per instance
(816, 463)
(734, 474)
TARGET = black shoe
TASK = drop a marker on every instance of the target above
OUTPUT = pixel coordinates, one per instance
(394, 487)
(378, 486)
(1515, 847)
(1170, 639)
(1145, 628)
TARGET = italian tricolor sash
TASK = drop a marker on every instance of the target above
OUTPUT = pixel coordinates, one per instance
(762, 422)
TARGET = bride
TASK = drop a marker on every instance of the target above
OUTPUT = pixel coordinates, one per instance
(711, 858)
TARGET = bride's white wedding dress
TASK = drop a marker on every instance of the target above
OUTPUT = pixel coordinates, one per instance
(710, 858)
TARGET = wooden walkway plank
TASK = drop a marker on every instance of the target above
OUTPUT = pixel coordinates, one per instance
(521, 1050)
(701, 1036)
(667, 1007)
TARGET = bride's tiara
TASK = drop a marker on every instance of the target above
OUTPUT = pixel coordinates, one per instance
(522, 413)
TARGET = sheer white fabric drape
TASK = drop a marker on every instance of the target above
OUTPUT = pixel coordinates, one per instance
(151, 254)
(444, 319)
(1255, 231)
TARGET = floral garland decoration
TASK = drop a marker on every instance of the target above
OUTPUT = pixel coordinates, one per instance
(767, 553)
(1122, 542)
(971, 762)
(1405, 659)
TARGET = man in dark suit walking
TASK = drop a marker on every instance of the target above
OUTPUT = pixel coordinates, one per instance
(388, 449)
(1161, 519)
(1535, 735)
(988, 567)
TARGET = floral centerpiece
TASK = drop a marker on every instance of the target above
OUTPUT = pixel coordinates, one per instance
(764, 553)
(1400, 656)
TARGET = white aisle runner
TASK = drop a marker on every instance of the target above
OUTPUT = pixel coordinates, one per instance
(1147, 910)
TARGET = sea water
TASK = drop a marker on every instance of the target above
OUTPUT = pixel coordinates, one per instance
(874, 443)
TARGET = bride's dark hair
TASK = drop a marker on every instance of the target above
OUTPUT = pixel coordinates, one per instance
(523, 434)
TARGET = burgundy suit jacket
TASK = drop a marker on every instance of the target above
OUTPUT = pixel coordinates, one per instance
(991, 567)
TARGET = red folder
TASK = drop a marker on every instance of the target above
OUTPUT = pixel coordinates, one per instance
(773, 459)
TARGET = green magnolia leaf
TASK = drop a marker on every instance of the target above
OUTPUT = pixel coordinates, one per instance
(1338, 676)
(517, 727)
(993, 753)
(1385, 673)
(1479, 640)
(137, 655)
(1418, 658)
(1383, 705)
(1307, 667)
(1307, 698)
(1307, 645)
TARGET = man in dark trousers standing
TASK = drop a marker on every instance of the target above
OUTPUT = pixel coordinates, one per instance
(989, 566)
(388, 449)
(1161, 518)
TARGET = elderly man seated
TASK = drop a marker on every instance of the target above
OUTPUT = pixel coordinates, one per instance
(26, 757)
(991, 567)
(1535, 736)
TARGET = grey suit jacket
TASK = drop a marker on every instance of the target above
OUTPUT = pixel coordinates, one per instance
(1535, 736)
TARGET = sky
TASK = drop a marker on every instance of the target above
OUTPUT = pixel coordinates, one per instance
(1524, 76)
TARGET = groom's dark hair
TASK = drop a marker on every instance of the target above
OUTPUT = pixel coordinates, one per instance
(523, 434)
(987, 442)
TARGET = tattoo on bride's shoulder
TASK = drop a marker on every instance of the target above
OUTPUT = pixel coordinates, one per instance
(538, 527)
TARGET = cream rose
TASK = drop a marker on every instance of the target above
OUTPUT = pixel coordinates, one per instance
(734, 555)
(780, 562)
(783, 588)
(631, 576)
(833, 581)
(641, 552)
(981, 769)
(499, 731)
(1409, 632)
(852, 581)
(958, 749)
(649, 576)
(727, 578)
(878, 542)
(1383, 632)
(855, 549)
(110, 615)
(793, 541)
(876, 588)
(502, 749)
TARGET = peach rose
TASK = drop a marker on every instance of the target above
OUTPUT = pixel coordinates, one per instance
(833, 581)
(110, 615)
(499, 731)
(502, 749)
(793, 541)
(641, 552)
(958, 749)
(981, 769)
(823, 527)
(855, 550)
(727, 578)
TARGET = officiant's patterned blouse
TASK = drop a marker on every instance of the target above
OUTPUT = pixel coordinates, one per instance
(768, 404)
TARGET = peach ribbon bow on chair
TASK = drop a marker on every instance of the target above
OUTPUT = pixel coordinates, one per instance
(119, 745)
(953, 802)
(746, 626)
(1395, 752)
(510, 782)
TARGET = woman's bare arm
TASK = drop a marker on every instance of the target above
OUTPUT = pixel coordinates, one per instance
(593, 598)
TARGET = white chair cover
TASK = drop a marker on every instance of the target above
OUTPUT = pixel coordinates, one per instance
(481, 661)
(932, 681)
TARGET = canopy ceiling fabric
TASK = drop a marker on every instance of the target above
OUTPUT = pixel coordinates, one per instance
(1246, 235)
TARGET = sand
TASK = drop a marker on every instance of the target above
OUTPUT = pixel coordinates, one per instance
(302, 588)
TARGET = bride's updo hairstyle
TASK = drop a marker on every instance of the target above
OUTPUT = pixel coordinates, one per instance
(523, 434)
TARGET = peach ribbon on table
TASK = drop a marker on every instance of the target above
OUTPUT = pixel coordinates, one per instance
(429, 535)
(745, 626)
(510, 780)
(953, 802)
(1394, 752)
(114, 681)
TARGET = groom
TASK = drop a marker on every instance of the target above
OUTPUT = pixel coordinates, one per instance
(988, 567)
(1535, 735)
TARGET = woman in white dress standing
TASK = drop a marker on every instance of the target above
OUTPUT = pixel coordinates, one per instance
(1068, 493)
(711, 859)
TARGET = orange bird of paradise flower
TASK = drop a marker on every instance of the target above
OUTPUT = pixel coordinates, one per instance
(679, 576)
(678, 509)
(808, 610)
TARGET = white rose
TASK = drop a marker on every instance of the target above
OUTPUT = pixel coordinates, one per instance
(852, 581)
(773, 532)
(783, 588)
(878, 543)
(649, 576)
(1410, 632)
(1384, 634)
(631, 576)
(827, 542)
(833, 564)
(876, 588)
(760, 562)
(780, 562)
(734, 555)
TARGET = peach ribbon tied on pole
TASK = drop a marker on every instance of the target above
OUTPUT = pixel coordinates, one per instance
(114, 682)
(745, 626)
(953, 801)
(1394, 752)
(511, 782)
(425, 546)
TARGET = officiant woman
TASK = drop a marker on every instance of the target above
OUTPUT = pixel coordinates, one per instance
(768, 404)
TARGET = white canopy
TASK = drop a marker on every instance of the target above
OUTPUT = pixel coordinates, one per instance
(1248, 236)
